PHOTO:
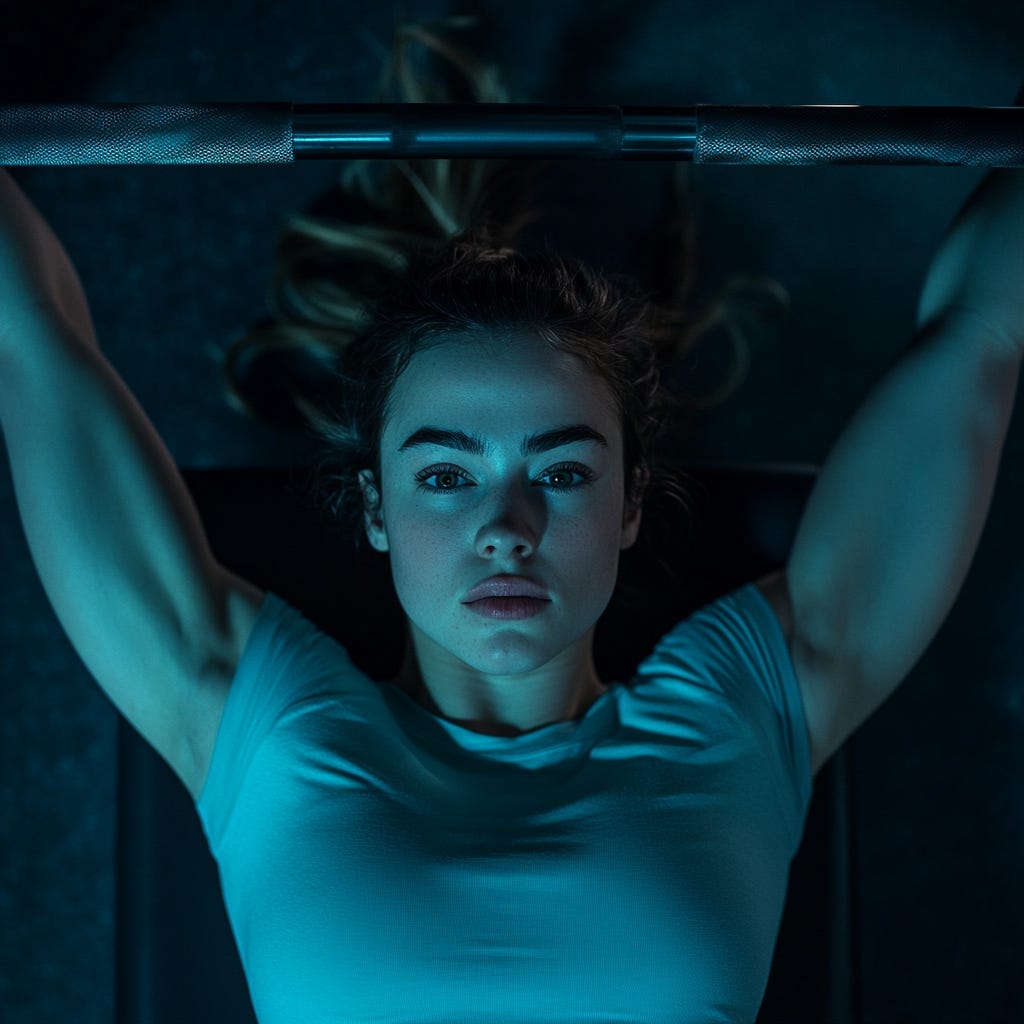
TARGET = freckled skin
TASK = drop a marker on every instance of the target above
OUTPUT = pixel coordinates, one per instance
(501, 677)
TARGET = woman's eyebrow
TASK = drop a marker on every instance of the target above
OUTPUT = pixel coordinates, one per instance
(474, 444)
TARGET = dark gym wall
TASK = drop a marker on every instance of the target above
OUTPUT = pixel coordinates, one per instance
(176, 261)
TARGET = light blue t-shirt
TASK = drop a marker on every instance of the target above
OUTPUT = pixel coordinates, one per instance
(380, 863)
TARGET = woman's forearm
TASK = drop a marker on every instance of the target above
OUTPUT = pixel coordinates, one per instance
(37, 277)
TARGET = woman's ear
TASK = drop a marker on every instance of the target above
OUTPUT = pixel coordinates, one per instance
(373, 518)
(641, 480)
(633, 510)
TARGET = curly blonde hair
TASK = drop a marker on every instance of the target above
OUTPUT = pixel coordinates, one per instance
(438, 251)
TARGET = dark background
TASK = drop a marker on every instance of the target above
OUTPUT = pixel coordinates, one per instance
(177, 261)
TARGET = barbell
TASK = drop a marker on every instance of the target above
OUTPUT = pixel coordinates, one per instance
(192, 134)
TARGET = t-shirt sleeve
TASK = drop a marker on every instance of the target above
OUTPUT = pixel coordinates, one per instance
(286, 659)
(733, 651)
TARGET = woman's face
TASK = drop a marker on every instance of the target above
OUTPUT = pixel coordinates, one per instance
(501, 511)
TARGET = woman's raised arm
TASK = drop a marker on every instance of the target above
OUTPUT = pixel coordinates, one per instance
(112, 529)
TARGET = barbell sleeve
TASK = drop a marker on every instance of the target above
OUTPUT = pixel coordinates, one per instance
(192, 134)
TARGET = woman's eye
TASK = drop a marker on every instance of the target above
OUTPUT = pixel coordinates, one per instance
(452, 474)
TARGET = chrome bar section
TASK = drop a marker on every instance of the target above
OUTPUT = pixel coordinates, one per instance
(493, 130)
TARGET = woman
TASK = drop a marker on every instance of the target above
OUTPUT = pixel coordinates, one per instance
(447, 842)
